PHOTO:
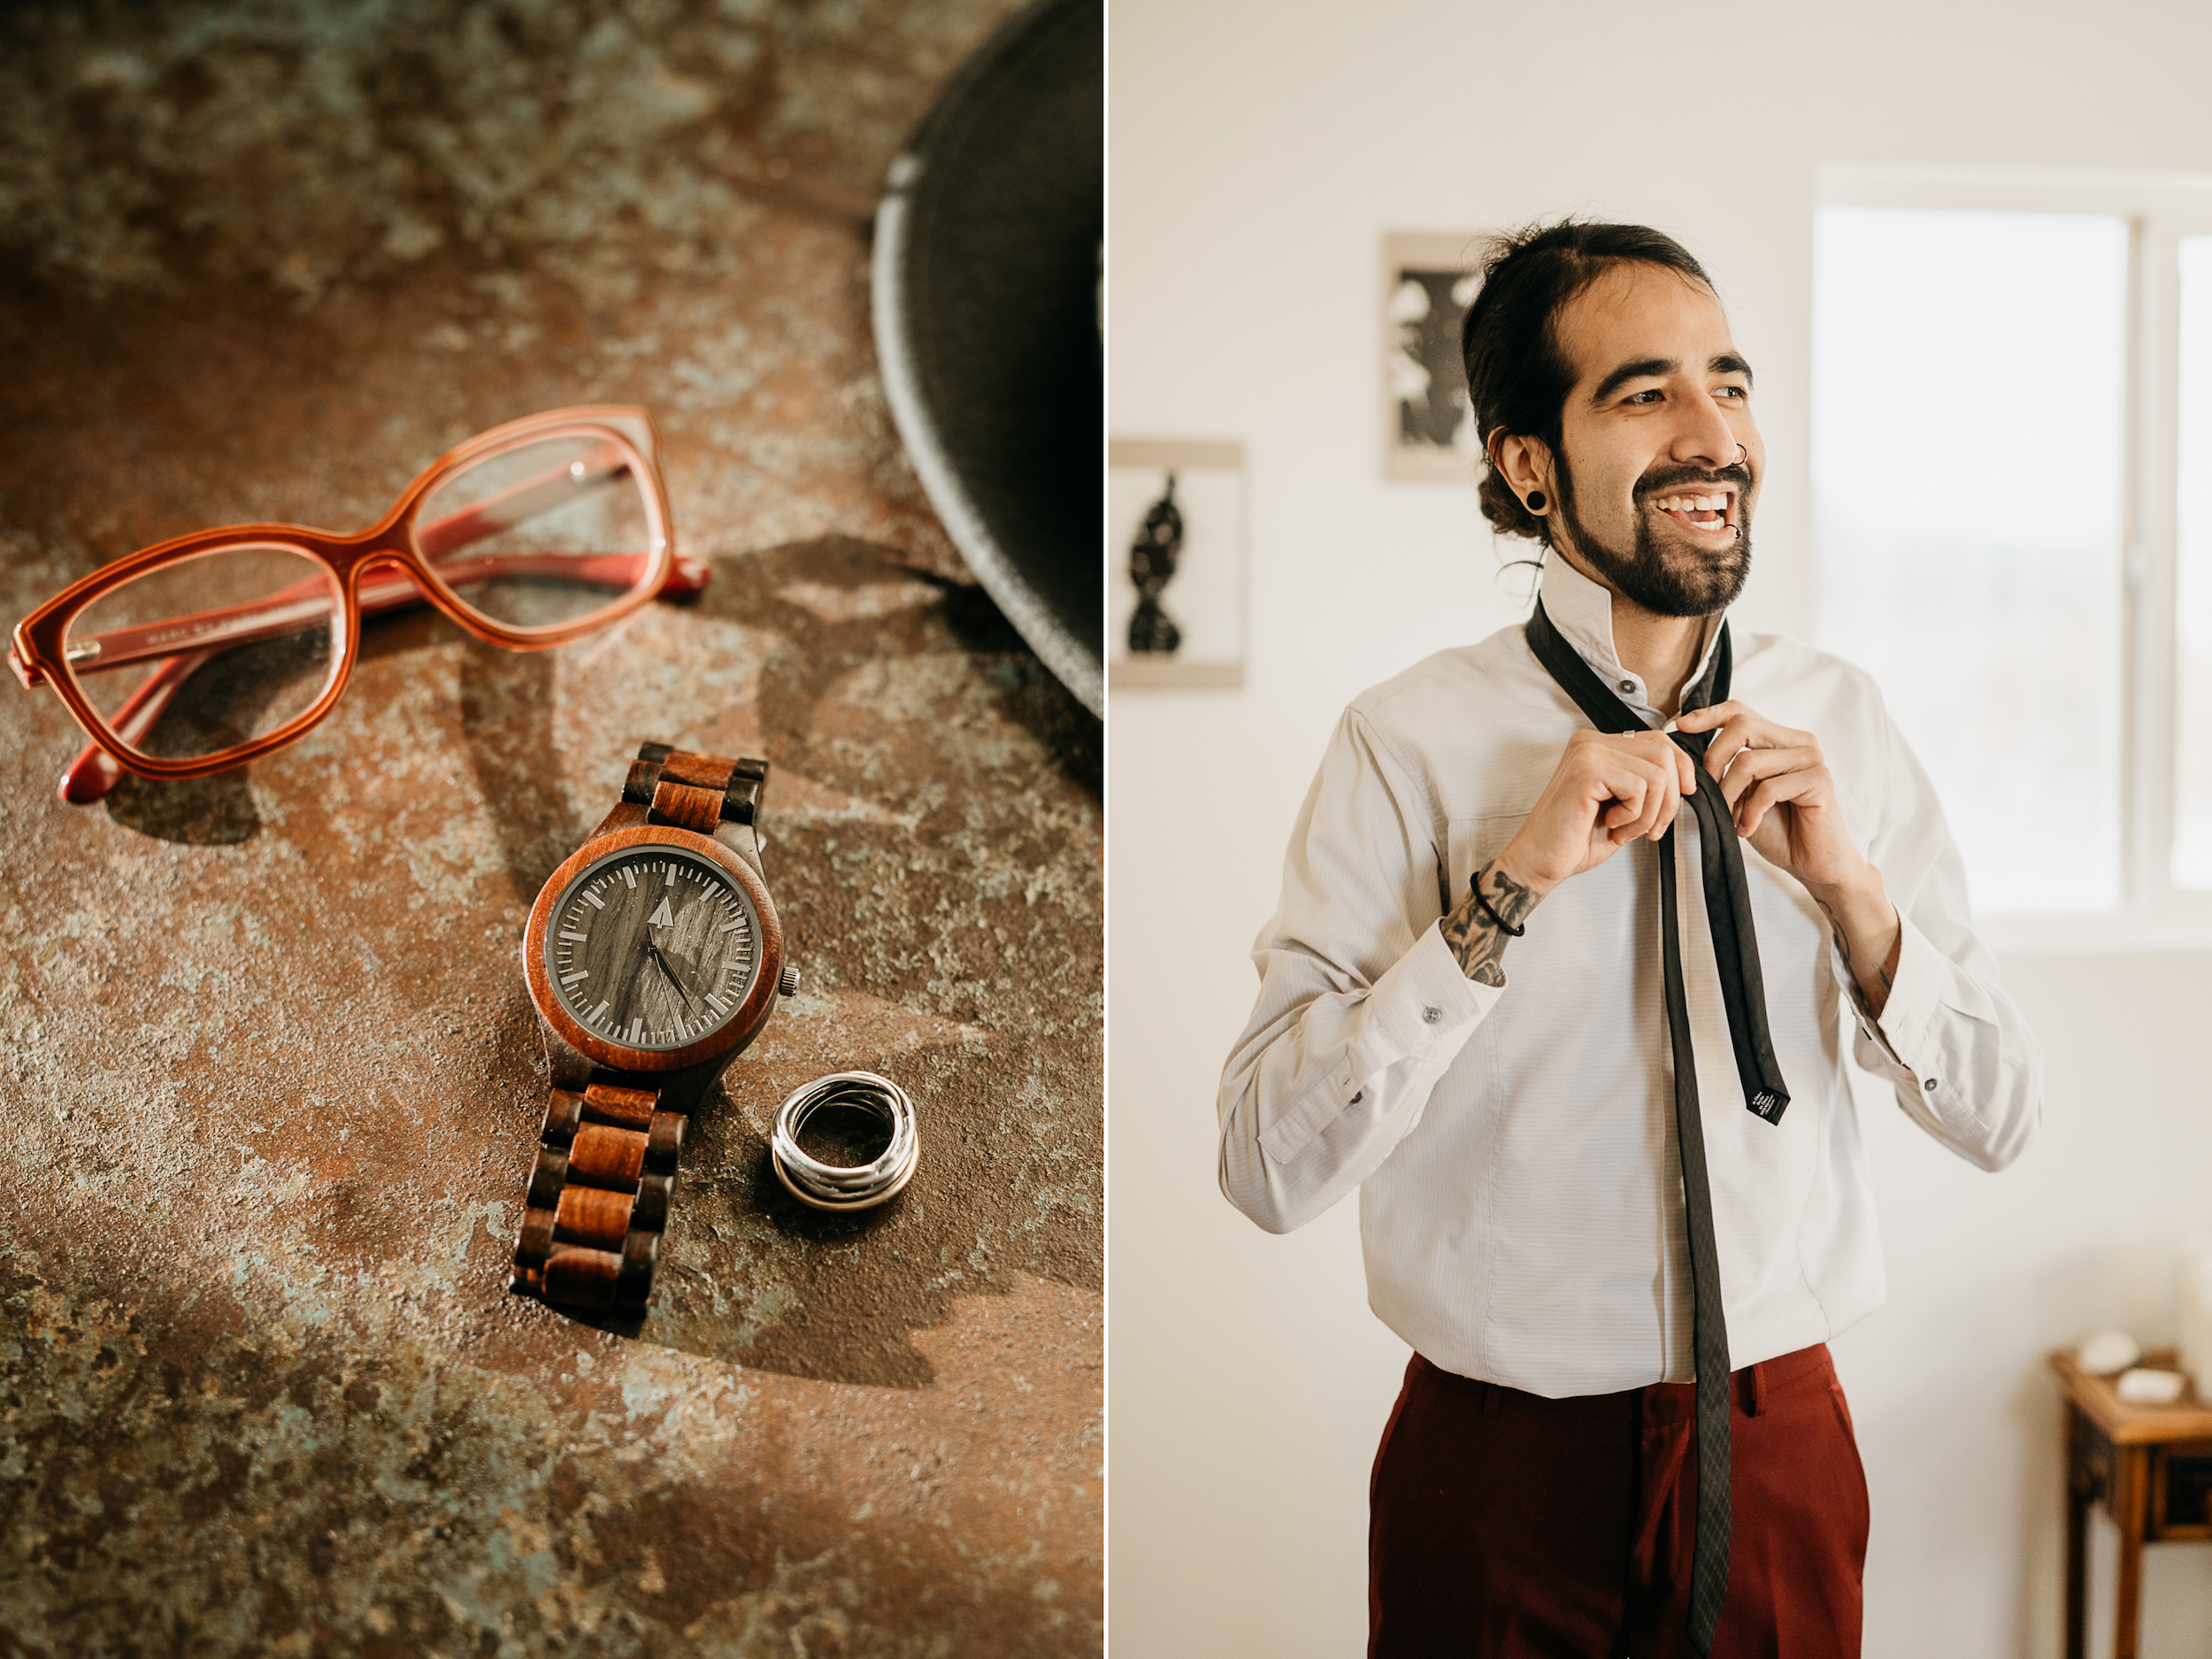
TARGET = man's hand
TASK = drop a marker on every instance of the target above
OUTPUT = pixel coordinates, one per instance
(1781, 792)
(1606, 792)
(1784, 799)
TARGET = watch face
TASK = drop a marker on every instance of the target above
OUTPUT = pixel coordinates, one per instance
(652, 946)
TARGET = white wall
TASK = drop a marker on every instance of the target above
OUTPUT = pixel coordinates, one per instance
(1258, 153)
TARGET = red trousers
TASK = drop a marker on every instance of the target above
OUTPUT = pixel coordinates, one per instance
(1510, 1526)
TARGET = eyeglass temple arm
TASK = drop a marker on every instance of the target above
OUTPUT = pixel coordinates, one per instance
(95, 771)
(308, 601)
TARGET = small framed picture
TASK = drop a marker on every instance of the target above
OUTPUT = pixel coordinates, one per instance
(1428, 427)
(1174, 564)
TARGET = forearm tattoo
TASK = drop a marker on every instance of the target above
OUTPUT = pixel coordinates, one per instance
(1835, 927)
(1843, 945)
(1475, 941)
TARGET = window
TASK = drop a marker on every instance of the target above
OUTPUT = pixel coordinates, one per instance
(2192, 614)
(2012, 502)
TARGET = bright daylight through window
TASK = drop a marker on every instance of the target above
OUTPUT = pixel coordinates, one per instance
(2193, 737)
(2012, 503)
(1968, 387)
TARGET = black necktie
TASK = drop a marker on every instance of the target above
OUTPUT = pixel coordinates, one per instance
(1743, 994)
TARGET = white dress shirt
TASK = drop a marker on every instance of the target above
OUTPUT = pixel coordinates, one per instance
(1514, 1146)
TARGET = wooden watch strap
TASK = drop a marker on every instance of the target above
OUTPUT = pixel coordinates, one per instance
(598, 1199)
(691, 791)
(606, 1163)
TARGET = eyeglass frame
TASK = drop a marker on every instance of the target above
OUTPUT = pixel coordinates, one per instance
(38, 652)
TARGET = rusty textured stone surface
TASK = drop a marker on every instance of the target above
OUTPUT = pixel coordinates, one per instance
(269, 1079)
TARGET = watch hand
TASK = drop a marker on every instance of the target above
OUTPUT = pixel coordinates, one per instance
(667, 972)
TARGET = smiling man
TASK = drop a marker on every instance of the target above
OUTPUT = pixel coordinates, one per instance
(1575, 924)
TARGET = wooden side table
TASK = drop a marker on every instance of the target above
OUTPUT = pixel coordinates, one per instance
(2150, 1466)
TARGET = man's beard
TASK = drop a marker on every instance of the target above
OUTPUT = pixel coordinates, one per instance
(1703, 584)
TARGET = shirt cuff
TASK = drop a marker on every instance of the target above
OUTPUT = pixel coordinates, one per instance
(1901, 1027)
(1423, 999)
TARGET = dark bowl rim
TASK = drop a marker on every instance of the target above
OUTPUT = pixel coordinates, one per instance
(1077, 662)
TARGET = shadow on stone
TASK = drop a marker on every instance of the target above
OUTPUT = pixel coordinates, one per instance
(216, 811)
(820, 652)
(803, 1222)
(507, 716)
(1047, 710)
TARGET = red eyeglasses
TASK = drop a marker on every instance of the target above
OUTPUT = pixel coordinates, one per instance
(210, 650)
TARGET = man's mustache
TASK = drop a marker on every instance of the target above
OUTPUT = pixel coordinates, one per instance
(1736, 473)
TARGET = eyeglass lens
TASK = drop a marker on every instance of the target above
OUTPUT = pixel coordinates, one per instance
(210, 653)
(205, 655)
(541, 535)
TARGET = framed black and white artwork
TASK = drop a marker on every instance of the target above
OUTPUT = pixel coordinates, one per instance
(1175, 605)
(1428, 429)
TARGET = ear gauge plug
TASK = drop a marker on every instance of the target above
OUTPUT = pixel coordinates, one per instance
(1536, 502)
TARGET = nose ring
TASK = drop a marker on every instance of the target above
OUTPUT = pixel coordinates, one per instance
(1742, 454)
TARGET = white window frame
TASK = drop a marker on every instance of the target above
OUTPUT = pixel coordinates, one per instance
(2159, 209)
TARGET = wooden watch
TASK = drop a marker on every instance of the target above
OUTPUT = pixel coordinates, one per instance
(654, 955)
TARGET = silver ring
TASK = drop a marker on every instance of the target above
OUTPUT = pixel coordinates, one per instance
(835, 1187)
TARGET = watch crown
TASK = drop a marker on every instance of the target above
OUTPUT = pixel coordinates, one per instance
(789, 984)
